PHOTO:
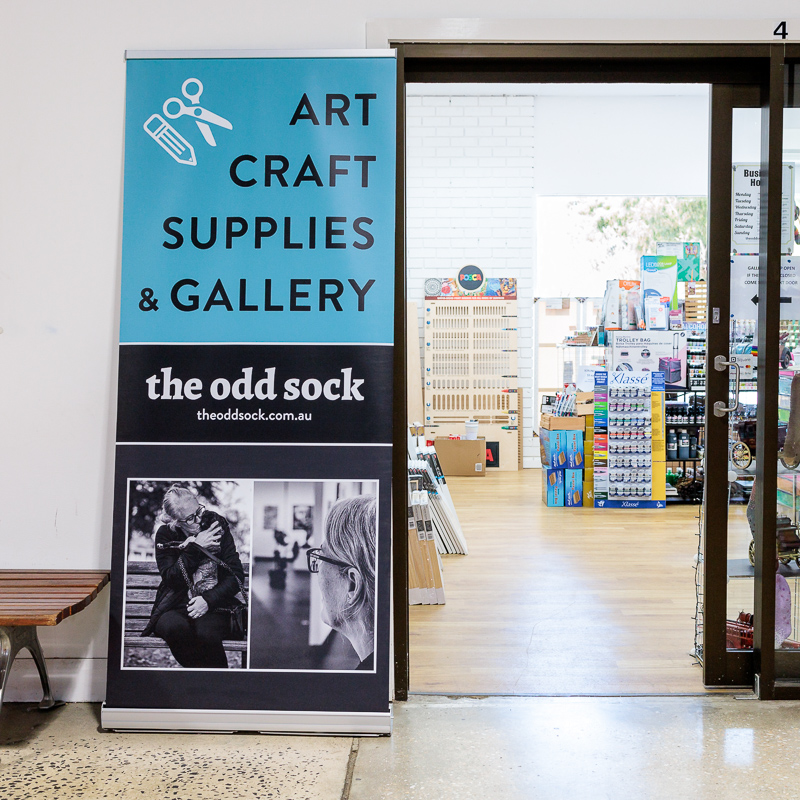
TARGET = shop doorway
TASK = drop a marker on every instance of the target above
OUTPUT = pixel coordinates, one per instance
(738, 80)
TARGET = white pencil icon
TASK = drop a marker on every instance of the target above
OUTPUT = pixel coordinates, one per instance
(163, 133)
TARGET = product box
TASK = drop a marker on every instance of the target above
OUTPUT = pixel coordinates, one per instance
(461, 457)
(553, 487)
(688, 256)
(553, 446)
(573, 447)
(573, 487)
(652, 351)
(588, 487)
(660, 279)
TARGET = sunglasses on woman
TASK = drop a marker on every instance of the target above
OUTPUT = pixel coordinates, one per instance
(314, 556)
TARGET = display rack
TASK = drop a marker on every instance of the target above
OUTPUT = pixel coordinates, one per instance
(471, 372)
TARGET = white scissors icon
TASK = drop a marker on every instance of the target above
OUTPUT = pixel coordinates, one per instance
(200, 114)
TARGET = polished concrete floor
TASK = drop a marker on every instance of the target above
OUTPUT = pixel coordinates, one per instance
(442, 749)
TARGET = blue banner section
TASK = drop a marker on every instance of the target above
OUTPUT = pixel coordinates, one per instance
(259, 200)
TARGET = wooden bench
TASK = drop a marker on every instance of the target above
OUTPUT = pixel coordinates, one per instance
(29, 598)
(140, 594)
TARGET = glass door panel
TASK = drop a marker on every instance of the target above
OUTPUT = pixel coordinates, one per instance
(787, 576)
(743, 377)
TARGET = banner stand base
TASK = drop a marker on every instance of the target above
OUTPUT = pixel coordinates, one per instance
(224, 721)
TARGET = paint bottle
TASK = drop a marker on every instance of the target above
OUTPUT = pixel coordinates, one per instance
(683, 443)
(672, 446)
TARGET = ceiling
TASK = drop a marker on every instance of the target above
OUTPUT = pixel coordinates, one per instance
(558, 89)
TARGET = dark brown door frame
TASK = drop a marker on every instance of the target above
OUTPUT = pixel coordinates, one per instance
(734, 71)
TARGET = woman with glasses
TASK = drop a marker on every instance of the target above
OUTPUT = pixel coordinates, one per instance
(346, 567)
(201, 574)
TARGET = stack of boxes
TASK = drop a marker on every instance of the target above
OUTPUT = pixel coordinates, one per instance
(566, 459)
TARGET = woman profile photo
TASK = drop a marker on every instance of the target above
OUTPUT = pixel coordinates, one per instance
(202, 581)
(345, 564)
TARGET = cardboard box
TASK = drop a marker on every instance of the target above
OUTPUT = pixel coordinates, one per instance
(574, 449)
(550, 423)
(573, 487)
(588, 457)
(553, 487)
(588, 488)
(462, 457)
(552, 446)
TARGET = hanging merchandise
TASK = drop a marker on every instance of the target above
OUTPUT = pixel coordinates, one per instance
(622, 306)
(629, 442)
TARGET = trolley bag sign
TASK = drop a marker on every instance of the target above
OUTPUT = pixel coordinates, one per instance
(251, 534)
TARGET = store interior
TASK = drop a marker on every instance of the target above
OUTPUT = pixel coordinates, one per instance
(548, 196)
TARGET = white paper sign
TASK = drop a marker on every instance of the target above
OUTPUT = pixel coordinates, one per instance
(746, 209)
(744, 287)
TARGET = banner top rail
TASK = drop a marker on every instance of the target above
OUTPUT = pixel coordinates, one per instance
(168, 54)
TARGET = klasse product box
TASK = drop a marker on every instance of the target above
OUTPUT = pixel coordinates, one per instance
(553, 445)
(462, 457)
(573, 487)
(553, 487)
(574, 450)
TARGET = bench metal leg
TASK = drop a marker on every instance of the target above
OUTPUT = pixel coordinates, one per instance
(12, 640)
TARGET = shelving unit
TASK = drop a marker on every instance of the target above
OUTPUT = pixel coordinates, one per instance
(470, 348)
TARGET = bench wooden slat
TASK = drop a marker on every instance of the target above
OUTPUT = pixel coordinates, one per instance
(60, 578)
(46, 597)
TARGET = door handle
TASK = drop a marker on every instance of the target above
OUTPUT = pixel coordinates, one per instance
(721, 364)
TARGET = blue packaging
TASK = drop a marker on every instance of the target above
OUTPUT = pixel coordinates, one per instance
(553, 445)
(573, 487)
(553, 487)
(574, 449)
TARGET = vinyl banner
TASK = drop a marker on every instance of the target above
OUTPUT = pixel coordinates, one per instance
(251, 541)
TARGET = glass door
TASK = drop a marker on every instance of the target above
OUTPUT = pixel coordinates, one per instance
(726, 572)
(786, 614)
(750, 543)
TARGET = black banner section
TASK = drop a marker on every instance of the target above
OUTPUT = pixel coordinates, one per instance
(254, 393)
(271, 674)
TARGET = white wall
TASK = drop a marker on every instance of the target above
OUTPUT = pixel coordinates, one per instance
(470, 200)
(627, 145)
(61, 150)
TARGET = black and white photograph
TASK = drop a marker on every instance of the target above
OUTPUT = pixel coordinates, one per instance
(187, 574)
(313, 584)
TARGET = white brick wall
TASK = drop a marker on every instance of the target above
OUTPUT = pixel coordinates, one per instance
(470, 200)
